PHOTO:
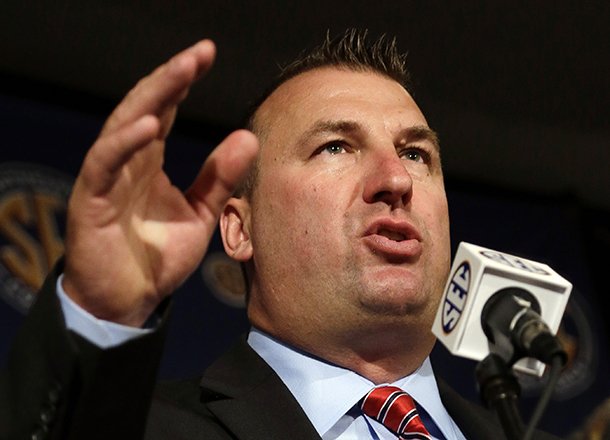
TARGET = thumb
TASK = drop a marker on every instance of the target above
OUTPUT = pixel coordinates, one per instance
(221, 173)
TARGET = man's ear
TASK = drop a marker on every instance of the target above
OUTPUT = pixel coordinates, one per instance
(235, 229)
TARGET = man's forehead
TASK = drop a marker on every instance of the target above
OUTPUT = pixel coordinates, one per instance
(314, 87)
(329, 78)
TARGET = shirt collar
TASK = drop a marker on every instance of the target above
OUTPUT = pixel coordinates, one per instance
(312, 380)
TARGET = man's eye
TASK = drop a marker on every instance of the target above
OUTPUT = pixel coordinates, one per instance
(333, 148)
(415, 154)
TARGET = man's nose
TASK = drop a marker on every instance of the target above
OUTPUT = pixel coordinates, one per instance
(388, 181)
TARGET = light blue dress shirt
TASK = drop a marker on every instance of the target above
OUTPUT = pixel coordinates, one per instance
(104, 334)
(327, 393)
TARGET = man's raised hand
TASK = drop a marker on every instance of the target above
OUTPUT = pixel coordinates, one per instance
(132, 237)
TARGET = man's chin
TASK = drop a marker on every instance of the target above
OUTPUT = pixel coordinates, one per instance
(397, 305)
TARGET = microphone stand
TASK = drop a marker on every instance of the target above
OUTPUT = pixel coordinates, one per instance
(500, 391)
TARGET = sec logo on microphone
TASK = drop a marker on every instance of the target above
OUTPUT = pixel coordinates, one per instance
(455, 297)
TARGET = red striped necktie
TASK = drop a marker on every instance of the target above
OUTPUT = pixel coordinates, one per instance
(396, 410)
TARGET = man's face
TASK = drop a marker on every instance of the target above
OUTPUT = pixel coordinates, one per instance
(348, 221)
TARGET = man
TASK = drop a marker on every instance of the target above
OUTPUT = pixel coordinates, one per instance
(343, 230)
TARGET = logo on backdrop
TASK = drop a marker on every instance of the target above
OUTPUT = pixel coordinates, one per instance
(225, 279)
(33, 201)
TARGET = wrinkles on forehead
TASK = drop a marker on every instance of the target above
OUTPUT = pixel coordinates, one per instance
(318, 103)
(276, 101)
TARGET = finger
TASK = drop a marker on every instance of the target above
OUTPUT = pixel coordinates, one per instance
(219, 176)
(165, 87)
(105, 160)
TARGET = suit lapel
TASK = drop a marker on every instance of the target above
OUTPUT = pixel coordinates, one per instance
(246, 395)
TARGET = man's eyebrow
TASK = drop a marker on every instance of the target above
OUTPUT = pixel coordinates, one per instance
(422, 133)
(331, 126)
(411, 134)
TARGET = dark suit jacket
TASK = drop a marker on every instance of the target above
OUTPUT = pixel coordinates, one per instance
(58, 386)
(241, 397)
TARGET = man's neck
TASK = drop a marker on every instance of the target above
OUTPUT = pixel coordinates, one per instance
(381, 360)
(381, 357)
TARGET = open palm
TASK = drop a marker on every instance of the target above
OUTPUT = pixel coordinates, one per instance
(132, 236)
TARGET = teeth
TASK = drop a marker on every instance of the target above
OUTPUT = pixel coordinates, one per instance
(392, 235)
